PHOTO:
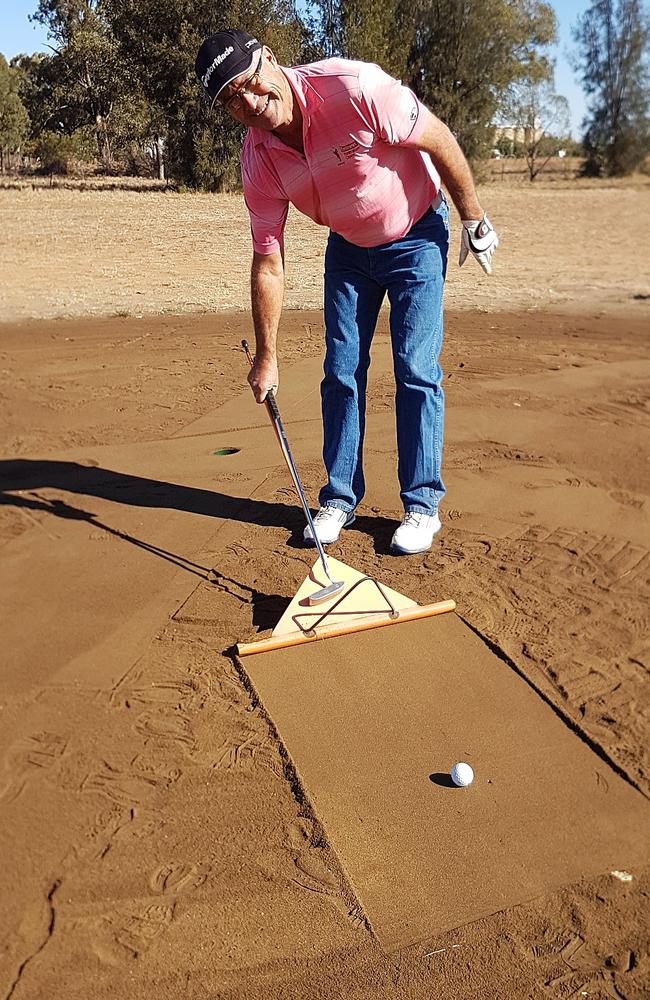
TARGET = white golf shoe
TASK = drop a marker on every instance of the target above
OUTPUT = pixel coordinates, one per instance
(328, 523)
(415, 533)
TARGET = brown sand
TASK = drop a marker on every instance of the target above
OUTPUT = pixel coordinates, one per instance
(373, 723)
(154, 841)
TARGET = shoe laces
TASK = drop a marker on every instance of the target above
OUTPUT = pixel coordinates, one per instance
(325, 513)
(413, 517)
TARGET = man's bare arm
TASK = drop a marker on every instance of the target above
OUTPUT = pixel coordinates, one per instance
(478, 236)
(438, 141)
(267, 294)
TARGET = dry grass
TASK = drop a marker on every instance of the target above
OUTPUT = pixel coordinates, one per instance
(111, 252)
(89, 182)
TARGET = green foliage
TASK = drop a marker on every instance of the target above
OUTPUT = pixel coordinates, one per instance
(36, 79)
(459, 56)
(360, 29)
(462, 57)
(14, 120)
(125, 68)
(214, 166)
(504, 145)
(84, 74)
(159, 39)
(612, 39)
(59, 153)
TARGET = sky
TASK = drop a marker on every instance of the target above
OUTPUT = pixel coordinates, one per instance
(18, 34)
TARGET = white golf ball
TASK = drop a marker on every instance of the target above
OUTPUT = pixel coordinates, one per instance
(462, 775)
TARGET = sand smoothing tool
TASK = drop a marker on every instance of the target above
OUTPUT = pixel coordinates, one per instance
(345, 604)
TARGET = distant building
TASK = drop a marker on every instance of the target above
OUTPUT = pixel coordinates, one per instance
(518, 135)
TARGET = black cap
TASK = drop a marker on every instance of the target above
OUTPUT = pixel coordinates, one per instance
(224, 56)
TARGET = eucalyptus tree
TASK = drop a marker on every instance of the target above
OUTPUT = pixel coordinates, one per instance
(14, 120)
(611, 57)
(158, 41)
(540, 119)
(459, 56)
(84, 69)
(464, 56)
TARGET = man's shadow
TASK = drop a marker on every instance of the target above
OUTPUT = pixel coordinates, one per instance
(138, 491)
(20, 479)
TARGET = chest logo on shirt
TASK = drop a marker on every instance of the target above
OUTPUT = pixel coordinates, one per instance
(346, 151)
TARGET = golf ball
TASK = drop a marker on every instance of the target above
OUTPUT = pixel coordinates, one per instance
(462, 775)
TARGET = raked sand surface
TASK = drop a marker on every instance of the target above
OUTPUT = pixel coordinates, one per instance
(157, 839)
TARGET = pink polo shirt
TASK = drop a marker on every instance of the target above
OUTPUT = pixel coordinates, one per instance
(361, 173)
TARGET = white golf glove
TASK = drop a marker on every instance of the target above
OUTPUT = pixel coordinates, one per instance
(480, 238)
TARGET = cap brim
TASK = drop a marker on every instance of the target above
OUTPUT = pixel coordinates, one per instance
(234, 76)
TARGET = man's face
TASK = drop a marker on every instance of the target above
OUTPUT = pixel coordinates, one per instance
(260, 97)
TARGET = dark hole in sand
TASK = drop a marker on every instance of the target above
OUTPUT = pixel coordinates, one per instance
(220, 452)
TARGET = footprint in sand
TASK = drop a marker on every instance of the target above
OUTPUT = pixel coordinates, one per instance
(127, 787)
(99, 837)
(164, 724)
(113, 823)
(177, 877)
(119, 937)
(38, 752)
(627, 499)
(246, 752)
(304, 863)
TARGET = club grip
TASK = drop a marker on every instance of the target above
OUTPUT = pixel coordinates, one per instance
(272, 405)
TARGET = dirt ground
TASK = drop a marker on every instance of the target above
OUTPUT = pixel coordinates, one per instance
(154, 842)
(564, 244)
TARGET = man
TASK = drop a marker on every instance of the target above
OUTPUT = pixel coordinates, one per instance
(353, 149)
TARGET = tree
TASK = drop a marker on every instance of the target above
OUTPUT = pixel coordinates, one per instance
(462, 56)
(58, 153)
(612, 39)
(158, 41)
(541, 121)
(459, 56)
(37, 80)
(14, 122)
(87, 78)
(359, 29)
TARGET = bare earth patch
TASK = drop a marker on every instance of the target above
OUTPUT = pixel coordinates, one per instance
(154, 841)
(79, 253)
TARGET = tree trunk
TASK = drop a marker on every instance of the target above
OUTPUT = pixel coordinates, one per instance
(103, 142)
(160, 160)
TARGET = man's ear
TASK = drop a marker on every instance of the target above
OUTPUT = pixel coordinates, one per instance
(268, 56)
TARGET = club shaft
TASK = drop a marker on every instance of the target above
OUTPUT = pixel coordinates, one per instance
(276, 420)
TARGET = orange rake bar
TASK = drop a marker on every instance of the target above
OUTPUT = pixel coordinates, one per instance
(360, 624)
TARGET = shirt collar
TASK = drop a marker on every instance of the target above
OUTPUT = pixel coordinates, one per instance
(308, 99)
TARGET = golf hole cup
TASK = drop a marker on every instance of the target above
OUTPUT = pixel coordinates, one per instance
(462, 775)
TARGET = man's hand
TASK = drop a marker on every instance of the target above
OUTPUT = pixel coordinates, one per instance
(263, 376)
(480, 238)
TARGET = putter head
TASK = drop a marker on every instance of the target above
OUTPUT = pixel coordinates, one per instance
(331, 590)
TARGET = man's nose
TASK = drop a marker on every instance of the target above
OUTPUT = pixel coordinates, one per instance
(250, 101)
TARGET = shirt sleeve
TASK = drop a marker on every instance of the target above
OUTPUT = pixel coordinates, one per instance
(267, 206)
(392, 110)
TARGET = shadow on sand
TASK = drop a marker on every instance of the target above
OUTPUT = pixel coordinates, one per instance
(20, 480)
(21, 476)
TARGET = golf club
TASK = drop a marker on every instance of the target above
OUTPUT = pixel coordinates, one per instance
(335, 586)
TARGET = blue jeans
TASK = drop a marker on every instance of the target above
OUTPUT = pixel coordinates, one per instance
(412, 272)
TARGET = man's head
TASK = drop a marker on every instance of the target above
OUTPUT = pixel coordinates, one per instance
(242, 75)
